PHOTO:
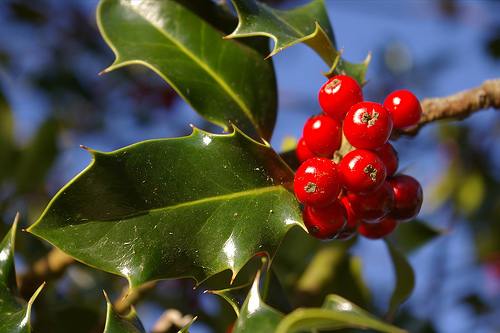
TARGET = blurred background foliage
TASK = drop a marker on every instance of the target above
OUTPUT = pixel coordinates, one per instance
(52, 99)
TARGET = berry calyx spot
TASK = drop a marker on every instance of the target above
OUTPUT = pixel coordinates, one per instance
(370, 119)
(311, 187)
(371, 171)
(332, 87)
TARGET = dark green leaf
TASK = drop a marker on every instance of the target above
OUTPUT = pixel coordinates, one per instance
(234, 296)
(223, 80)
(308, 24)
(14, 312)
(255, 315)
(171, 208)
(405, 281)
(331, 270)
(37, 159)
(185, 329)
(19, 322)
(355, 70)
(336, 313)
(270, 290)
(412, 235)
(414, 324)
(12, 301)
(479, 306)
(285, 27)
(116, 323)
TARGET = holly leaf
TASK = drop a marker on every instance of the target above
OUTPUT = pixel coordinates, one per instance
(15, 312)
(405, 281)
(308, 24)
(255, 315)
(185, 329)
(172, 208)
(223, 80)
(116, 323)
(37, 158)
(336, 313)
(270, 291)
(413, 235)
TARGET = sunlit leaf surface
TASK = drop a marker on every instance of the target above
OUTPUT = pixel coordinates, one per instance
(270, 291)
(308, 24)
(336, 313)
(171, 208)
(255, 315)
(116, 323)
(15, 312)
(223, 80)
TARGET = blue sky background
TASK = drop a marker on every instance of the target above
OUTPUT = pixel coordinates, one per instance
(437, 54)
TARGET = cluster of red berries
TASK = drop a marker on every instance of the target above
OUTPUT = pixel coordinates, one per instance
(362, 193)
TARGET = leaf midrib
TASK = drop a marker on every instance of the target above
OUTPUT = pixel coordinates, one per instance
(207, 69)
(252, 192)
(278, 16)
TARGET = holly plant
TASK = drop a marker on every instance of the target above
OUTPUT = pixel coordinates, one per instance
(210, 203)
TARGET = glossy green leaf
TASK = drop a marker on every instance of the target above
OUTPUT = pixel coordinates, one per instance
(14, 311)
(12, 302)
(405, 281)
(116, 323)
(235, 296)
(255, 315)
(270, 291)
(19, 322)
(223, 80)
(171, 208)
(412, 235)
(336, 313)
(308, 24)
(286, 27)
(185, 329)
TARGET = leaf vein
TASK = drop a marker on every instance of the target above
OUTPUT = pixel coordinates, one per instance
(208, 70)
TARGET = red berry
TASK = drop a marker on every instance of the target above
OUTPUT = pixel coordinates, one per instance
(378, 230)
(374, 206)
(353, 222)
(404, 107)
(325, 222)
(317, 182)
(230, 328)
(367, 125)
(337, 96)
(389, 156)
(302, 152)
(362, 171)
(408, 197)
(322, 135)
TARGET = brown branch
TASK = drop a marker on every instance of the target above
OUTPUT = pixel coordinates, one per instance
(458, 106)
(51, 266)
(171, 321)
(127, 299)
